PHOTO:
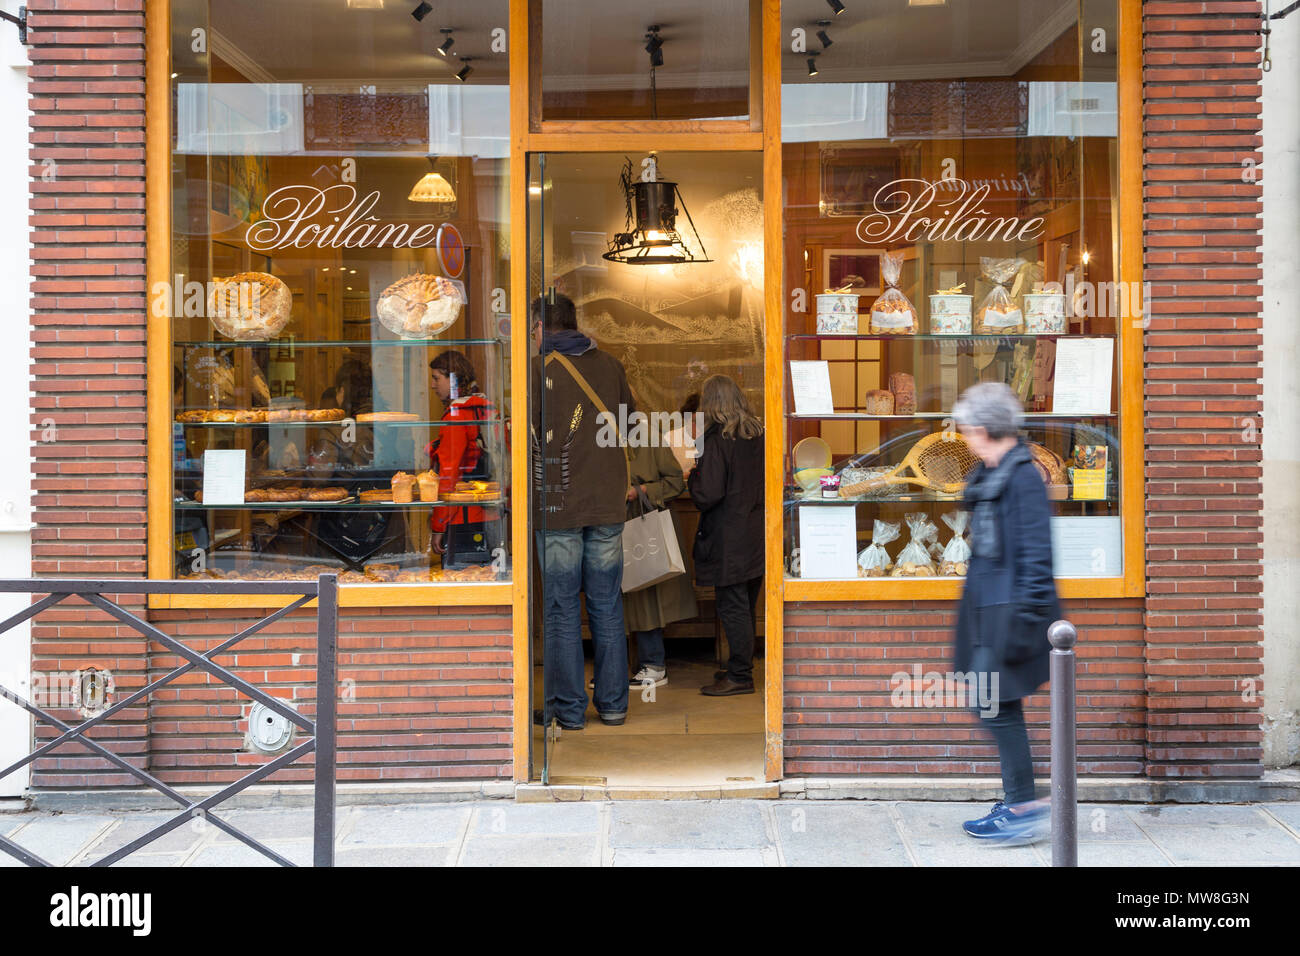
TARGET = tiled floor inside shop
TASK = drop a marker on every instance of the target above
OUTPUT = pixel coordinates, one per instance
(676, 737)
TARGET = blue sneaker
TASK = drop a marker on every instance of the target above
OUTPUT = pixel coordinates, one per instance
(1029, 826)
(990, 825)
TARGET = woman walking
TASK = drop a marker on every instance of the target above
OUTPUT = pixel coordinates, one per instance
(1008, 601)
(727, 486)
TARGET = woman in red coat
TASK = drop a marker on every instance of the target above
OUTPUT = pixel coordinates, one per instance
(458, 453)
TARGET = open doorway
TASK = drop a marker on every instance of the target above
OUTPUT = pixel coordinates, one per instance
(670, 326)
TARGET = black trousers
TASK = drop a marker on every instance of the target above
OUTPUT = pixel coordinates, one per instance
(1009, 732)
(735, 609)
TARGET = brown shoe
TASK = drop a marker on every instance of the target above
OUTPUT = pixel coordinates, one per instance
(726, 687)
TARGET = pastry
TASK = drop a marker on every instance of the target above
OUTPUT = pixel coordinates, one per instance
(353, 577)
(879, 402)
(381, 572)
(256, 494)
(893, 317)
(903, 388)
(403, 488)
(249, 306)
(419, 305)
(327, 494)
(195, 417)
(377, 495)
(428, 483)
(279, 414)
(221, 415)
(388, 417)
(251, 416)
(325, 415)
(993, 320)
(1051, 467)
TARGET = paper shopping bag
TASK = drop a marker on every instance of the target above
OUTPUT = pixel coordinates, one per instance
(650, 551)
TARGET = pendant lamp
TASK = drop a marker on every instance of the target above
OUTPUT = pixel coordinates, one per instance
(652, 238)
(432, 187)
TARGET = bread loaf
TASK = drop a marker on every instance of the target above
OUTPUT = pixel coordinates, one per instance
(903, 387)
(879, 402)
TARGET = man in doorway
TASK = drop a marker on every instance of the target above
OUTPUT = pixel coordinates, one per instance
(580, 479)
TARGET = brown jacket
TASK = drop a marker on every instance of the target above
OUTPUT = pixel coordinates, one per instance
(583, 479)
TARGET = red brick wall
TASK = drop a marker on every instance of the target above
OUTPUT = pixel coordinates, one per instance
(1203, 390)
(839, 660)
(432, 689)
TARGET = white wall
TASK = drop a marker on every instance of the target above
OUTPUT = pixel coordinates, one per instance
(1281, 174)
(15, 395)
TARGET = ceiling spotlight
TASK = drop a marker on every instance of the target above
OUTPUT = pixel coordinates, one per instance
(836, 7)
(823, 35)
(463, 73)
(422, 11)
(654, 46)
(445, 47)
(812, 64)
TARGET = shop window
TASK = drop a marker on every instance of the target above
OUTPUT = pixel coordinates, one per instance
(643, 61)
(951, 217)
(338, 293)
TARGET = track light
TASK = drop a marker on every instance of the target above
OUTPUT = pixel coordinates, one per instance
(463, 73)
(445, 47)
(422, 11)
(654, 46)
(823, 35)
(812, 64)
(836, 7)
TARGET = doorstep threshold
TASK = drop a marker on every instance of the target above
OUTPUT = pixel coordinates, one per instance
(573, 790)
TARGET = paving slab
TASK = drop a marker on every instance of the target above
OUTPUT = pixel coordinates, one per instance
(151, 860)
(813, 833)
(1107, 823)
(653, 857)
(58, 837)
(1186, 845)
(298, 852)
(131, 826)
(287, 824)
(512, 818)
(1112, 854)
(406, 826)
(532, 851)
(1212, 814)
(706, 825)
(1288, 813)
(397, 856)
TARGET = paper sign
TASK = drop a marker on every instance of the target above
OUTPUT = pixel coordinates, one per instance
(828, 541)
(810, 386)
(1087, 547)
(1083, 372)
(223, 477)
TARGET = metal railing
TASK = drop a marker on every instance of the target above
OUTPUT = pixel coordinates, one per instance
(322, 729)
(1065, 797)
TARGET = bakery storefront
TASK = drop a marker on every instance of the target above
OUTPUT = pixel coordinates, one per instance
(866, 208)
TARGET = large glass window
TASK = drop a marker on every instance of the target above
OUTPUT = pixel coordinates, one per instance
(950, 218)
(338, 291)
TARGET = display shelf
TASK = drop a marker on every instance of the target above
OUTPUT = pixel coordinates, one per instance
(334, 343)
(934, 337)
(342, 422)
(335, 505)
(930, 498)
(917, 416)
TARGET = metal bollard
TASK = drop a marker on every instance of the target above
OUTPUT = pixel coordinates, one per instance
(1065, 808)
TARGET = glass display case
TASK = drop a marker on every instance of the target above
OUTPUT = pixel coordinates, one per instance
(340, 329)
(941, 233)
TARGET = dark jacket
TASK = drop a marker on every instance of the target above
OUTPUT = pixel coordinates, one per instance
(1008, 603)
(586, 471)
(727, 487)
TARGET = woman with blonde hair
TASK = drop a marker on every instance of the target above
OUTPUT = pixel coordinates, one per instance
(727, 486)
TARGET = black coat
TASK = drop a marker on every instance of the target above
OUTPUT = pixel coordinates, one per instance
(727, 487)
(1007, 604)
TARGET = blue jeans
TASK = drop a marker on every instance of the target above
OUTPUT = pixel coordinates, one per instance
(650, 648)
(590, 560)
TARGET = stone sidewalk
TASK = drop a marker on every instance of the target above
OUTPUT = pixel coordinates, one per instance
(672, 833)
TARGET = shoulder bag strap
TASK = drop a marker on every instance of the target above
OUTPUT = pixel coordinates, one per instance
(595, 400)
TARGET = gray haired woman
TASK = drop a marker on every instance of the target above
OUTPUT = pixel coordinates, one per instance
(1008, 601)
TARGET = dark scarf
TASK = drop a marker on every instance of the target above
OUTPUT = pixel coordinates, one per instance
(566, 342)
(982, 493)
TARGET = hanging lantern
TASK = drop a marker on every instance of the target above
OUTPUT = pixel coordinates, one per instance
(652, 238)
(432, 187)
